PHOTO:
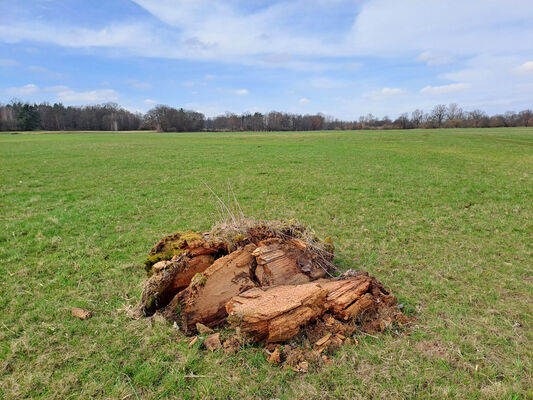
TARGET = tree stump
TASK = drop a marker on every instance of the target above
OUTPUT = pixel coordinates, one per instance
(204, 300)
(276, 314)
(285, 262)
(170, 277)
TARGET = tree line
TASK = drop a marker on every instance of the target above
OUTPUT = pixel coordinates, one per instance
(111, 117)
(103, 117)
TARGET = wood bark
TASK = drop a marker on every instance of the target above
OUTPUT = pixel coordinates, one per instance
(285, 262)
(170, 277)
(271, 262)
(276, 314)
(204, 300)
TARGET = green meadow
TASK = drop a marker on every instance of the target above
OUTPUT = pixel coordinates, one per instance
(444, 218)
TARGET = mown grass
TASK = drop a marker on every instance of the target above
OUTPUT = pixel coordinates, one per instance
(443, 218)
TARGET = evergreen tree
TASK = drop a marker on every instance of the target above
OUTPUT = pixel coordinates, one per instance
(28, 118)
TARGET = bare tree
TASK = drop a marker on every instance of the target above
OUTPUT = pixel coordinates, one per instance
(510, 118)
(438, 114)
(478, 119)
(525, 117)
(417, 118)
(402, 121)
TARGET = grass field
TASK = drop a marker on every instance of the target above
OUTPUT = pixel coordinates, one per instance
(443, 218)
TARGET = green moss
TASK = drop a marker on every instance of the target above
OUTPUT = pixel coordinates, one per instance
(234, 320)
(170, 246)
(149, 305)
(238, 238)
(198, 280)
(328, 244)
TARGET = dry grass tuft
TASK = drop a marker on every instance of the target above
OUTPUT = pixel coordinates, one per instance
(235, 229)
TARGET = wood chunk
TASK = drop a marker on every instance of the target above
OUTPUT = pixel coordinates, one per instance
(277, 313)
(367, 302)
(170, 277)
(343, 293)
(275, 357)
(202, 329)
(212, 342)
(204, 300)
(285, 262)
(327, 361)
(81, 313)
(323, 340)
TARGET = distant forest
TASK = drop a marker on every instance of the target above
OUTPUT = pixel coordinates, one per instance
(111, 117)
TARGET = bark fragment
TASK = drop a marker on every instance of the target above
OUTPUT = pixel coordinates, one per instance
(81, 313)
(285, 262)
(170, 277)
(276, 314)
(204, 300)
(212, 342)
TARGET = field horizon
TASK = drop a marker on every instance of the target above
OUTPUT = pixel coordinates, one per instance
(443, 217)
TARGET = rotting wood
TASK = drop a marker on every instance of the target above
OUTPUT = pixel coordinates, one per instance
(169, 278)
(276, 314)
(285, 262)
(205, 298)
(268, 279)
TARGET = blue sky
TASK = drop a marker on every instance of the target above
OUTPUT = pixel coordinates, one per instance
(345, 58)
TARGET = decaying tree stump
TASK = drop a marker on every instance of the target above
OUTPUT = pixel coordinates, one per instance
(268, 278)
(277, 313)
(205, 298)
(169, 278)
(272, 262)
(285, 262)
(178, 258)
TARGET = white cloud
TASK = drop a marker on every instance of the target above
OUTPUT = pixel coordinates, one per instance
(326, 83)
(134, 83)
(25, 90)
(36, 68)
(386, 91)
(431, 58)
(452, 27)
(150, 101)
(286, 33)
(241, 92)
(67, 95)
(208, 77)
(525, 68)
(303, 100)
(445, 89)
(7, 62)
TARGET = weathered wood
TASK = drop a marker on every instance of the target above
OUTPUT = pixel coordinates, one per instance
(204, 300)
(170, 277)
(343, 293)
(277, 313)
(285, 262)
